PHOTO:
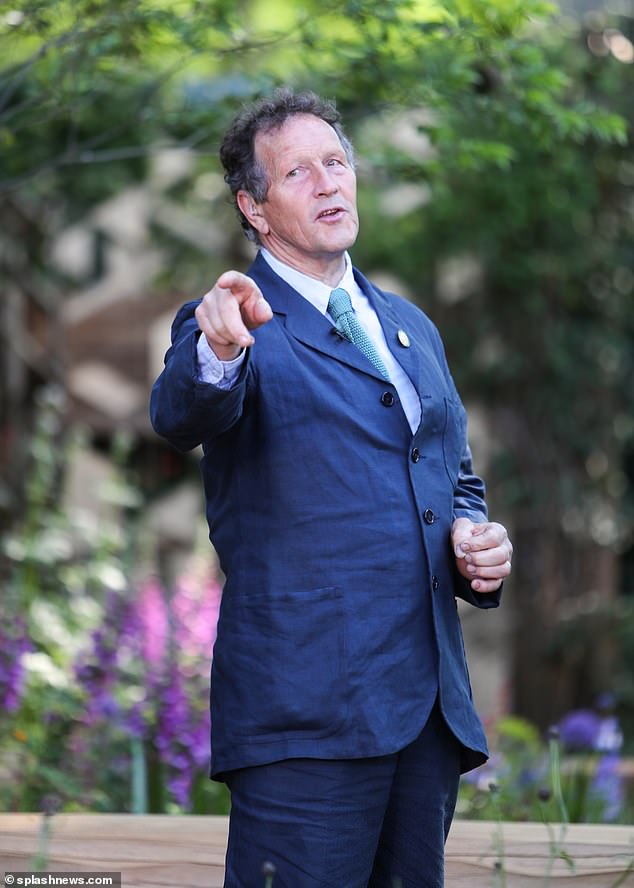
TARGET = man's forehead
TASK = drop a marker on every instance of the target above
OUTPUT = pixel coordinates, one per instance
(298, 133)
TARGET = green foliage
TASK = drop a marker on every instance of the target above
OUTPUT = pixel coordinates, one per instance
(90, 82)
(525, 169)
(55, 569)
(109, 696)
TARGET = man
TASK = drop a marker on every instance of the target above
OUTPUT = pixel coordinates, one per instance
(346, 515)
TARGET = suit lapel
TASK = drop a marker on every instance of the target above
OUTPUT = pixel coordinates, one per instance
(406, 356)
(410, 357)
(304, 322)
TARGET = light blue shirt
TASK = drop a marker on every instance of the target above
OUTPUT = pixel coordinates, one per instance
(224, 373)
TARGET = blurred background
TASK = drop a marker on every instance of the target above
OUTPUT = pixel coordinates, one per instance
(496, 189)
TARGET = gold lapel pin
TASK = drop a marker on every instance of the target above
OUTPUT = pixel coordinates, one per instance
(403, 338)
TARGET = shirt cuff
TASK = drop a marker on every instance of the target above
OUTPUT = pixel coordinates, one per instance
(212, 370)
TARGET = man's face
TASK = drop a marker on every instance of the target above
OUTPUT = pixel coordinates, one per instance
(309, 217)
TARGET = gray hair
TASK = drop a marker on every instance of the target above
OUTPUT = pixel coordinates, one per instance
(243, 172)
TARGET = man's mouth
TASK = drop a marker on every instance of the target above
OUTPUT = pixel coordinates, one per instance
(331, 213)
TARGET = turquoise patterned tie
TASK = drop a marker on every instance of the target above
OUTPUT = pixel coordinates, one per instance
(341, 311)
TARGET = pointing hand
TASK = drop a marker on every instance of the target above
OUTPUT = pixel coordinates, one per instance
(234, 306)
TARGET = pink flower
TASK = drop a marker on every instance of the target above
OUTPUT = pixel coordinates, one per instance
(153, 617)
(195, 607)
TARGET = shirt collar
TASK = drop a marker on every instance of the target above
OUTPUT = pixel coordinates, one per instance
(316, 292)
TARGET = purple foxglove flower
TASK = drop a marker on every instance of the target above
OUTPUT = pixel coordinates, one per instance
(14, 642)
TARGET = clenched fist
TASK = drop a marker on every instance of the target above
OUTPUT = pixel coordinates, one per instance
(483, 553)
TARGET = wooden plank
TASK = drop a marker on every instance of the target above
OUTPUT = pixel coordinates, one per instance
(599, 854)
(161, 851)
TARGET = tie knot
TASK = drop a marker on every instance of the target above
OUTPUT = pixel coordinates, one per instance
(339, 303)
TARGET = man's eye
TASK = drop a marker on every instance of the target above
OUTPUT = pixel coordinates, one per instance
(292, 173)
(334, 161)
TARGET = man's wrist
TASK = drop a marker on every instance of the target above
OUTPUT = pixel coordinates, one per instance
(224, 352)
(212, 369)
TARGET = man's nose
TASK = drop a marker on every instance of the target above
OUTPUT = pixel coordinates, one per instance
(325, 182)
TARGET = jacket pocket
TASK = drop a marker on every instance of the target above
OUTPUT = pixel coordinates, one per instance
(278, 664)
(454, 439)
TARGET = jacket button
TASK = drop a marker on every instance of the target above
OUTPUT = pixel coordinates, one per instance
(415, 454)
(435, 583)
(387, 399)
(428, 516)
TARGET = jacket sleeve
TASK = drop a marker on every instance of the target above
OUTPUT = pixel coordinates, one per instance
(468, 496)
(469, 503)
(183, 409)
(469, 491)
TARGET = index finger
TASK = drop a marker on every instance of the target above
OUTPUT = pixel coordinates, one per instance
(232, 324)
(240, 285)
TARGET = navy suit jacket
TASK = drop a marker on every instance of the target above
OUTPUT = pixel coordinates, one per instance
(338, 625)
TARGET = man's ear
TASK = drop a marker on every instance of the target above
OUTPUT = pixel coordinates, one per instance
(251, 209)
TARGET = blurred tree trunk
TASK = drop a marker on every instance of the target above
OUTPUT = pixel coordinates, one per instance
(32, 343)
(555, 670)
(13, 395)
(564, 581)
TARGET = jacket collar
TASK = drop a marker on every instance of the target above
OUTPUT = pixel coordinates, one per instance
(306, 324)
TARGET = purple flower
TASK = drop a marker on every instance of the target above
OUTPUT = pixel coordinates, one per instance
(580, 729)
(146, 673)
(134, 721)
(610, 737)
(180, 787)
(182, 733)
(607, 785)
(14, 642)
(199, 748)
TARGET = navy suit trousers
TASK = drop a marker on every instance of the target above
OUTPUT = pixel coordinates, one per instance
(376, 822)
